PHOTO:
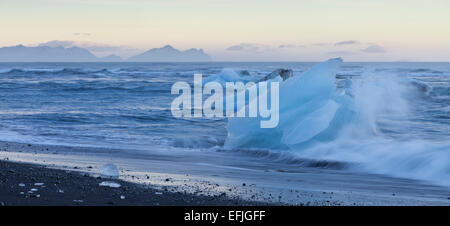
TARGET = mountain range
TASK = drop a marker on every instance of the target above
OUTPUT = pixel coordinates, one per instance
(168, 54)
(42, 53)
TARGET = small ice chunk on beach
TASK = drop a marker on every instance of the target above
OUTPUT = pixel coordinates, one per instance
(109, 171)
(21, 185)
(38, 184)
(109, 184)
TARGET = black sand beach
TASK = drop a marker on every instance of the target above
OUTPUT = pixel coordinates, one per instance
(35, 185)
(33, 174)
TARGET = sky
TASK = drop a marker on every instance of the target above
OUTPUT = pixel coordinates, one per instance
(238, 30)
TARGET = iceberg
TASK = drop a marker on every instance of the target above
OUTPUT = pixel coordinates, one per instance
(317, 120)
(283, 73)
(311, 110)
(109, 171)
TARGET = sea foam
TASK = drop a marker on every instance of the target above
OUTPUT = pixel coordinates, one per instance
(317, 121)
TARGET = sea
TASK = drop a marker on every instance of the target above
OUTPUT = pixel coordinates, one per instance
(404, 106)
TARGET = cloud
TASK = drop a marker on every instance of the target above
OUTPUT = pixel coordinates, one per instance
(236, 47)
(347, 42)
(321, 44)
(84, 34)
(57, 43)
(340, 53)
(290, 46)
(249, 47)
(374, 48)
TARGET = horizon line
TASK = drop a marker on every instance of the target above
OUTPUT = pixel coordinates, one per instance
(224, 61)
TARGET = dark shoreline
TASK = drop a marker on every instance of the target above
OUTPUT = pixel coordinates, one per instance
(71, 188)
(184, 181)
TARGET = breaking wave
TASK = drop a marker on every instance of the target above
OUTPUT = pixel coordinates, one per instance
(365, 122)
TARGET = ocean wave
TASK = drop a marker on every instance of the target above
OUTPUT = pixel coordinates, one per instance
(287, 158)
(411, 71)
(113, 88)
(318, 122)
(230, 75)
(64, 71)
(441, 91)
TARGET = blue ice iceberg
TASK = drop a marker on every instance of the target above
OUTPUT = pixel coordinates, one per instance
(311, 110)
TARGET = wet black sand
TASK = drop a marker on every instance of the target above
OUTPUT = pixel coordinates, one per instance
(21, 184)
(192, 178)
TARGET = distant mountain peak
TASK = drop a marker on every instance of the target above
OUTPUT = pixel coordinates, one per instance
(168, 53)
(58, 53)
(167, 47)
(21, 53)
(194, 50)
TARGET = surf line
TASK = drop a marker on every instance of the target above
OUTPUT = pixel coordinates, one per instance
(255, 106)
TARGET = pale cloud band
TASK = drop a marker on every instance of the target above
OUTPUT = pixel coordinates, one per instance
(374, 48)
(348, 42)
(250, 47)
